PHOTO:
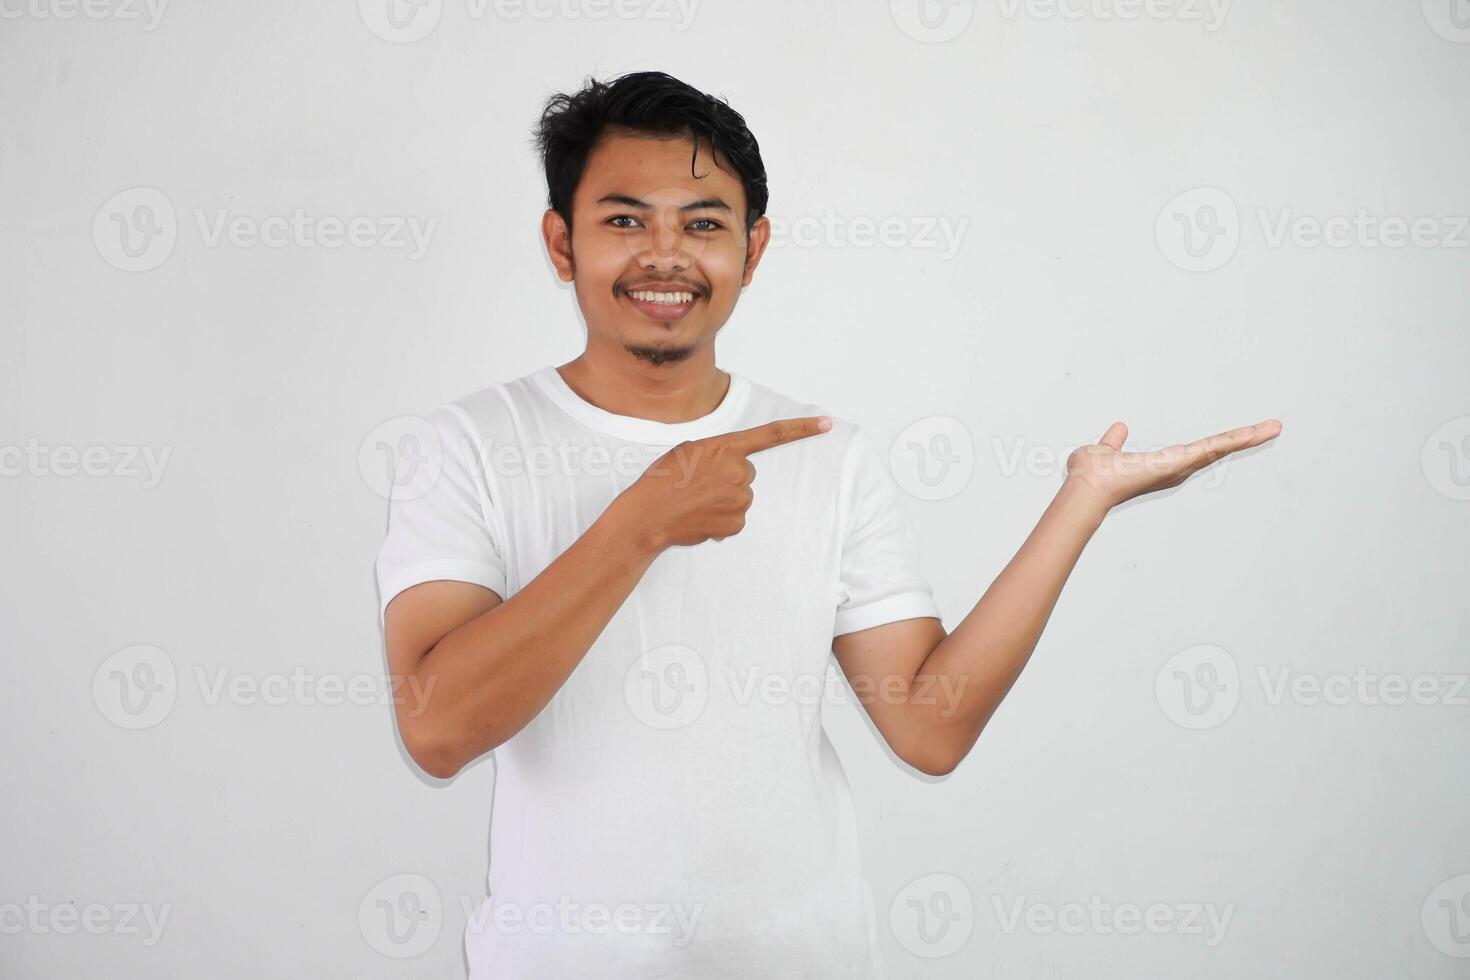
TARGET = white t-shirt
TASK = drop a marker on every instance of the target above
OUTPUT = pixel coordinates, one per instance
(676, 809)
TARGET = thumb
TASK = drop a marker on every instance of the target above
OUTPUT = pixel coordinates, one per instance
(1115, 436)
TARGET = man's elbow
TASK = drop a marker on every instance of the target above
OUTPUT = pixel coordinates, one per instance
(940, 769)
(440, 767)
(430, 754)
(933, 763)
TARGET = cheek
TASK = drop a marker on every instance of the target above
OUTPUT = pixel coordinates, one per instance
(600, 259)
(724, 265)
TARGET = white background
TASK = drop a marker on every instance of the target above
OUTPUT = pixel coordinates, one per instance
(1060, 139)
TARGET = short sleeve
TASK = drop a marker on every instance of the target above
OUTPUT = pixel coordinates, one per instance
(443, 528)
(879, 578)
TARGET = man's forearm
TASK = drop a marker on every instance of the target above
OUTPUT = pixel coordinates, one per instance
(975, 666)
(493, 674)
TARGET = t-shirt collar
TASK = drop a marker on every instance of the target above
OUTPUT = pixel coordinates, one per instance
(645, 431)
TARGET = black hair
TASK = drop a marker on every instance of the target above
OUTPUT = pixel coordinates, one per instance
(643, 103)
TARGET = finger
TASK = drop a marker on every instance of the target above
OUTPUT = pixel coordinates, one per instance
(1202, 452)
(772, 434)
(1115, 436)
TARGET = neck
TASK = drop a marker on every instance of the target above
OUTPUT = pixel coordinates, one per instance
(673, 392)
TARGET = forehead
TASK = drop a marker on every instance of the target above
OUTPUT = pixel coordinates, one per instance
(647, 167)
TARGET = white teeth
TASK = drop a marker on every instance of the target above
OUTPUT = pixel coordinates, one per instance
(664, 299)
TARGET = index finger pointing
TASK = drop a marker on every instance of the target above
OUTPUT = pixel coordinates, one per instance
(772, 434)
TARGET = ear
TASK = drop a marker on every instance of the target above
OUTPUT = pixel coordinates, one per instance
(755, 247)
(558, 239)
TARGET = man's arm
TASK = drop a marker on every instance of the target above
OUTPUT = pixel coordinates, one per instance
(931, 694)
(470, 670)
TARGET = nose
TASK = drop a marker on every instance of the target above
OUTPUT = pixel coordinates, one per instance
(666, 247)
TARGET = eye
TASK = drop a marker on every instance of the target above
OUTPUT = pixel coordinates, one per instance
(713, 224)
(622, 217)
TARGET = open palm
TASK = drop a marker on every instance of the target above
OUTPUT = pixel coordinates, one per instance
(1116, 476)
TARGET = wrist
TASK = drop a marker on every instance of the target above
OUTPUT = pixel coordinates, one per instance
(1084, 500)
(636, 527)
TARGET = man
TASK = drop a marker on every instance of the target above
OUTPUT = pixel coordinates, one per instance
(628, 563)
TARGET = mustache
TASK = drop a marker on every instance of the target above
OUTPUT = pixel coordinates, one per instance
(692, 287)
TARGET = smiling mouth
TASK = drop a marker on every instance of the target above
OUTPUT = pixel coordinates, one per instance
(662, 305)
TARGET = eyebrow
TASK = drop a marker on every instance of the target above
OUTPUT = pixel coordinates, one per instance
(707, 204)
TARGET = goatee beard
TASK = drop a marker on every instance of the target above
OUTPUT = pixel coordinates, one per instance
(659, 355)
